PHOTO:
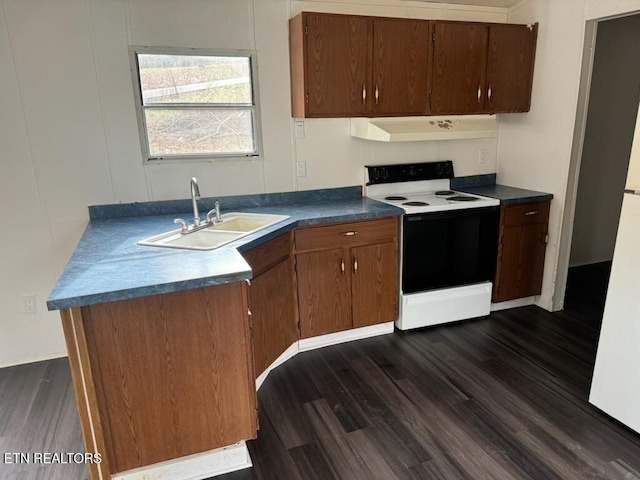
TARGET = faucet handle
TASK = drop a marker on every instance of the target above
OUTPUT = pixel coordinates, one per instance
(184, 228)
(216, 211)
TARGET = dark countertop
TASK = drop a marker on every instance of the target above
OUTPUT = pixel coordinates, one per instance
(107, 264)
(509, 195)
(486, 185)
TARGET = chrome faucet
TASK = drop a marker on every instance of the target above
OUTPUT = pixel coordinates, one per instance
(185, 228)
(195, 194)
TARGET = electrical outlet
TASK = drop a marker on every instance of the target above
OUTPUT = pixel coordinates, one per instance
(301, 169)
(29, 304)
(482, 156)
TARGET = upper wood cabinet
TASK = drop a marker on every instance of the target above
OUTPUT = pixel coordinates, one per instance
(400, 66)
(329, 65)
(458, 71)
(512, 50)
(349, 66)
(481, 68)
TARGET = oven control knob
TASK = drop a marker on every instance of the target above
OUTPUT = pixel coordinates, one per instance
(412, 171)
(375, 174)
(447, 168)
(439, 169)
(384, 173)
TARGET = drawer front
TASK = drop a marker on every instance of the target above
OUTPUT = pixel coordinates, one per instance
(525, 214)
(345, 235)
(269, 254)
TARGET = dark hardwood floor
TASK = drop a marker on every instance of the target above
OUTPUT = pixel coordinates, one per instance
(495, 398)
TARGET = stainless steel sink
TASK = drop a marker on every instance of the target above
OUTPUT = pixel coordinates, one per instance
(233, 226)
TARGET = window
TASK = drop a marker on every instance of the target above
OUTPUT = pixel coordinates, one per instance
(195, 104)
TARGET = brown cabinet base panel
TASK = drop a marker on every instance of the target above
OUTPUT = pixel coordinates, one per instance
(163, 377)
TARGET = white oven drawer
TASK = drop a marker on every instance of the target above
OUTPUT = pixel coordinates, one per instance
(445, 305)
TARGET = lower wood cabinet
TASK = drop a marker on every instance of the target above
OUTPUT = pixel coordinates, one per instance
(521, 251)
(272, 300)
(167, 376)
(347, 275)
(162, 377)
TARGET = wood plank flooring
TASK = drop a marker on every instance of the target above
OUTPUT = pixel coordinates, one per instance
(503, 397)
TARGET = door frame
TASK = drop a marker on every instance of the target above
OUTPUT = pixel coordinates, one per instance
(571, 192)
(566, 229)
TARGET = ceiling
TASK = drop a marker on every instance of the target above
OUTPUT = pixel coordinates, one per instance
(483, 3)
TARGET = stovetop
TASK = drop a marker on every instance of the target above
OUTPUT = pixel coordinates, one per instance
(420, 188)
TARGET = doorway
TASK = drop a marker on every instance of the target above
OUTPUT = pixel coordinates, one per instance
(612, 88)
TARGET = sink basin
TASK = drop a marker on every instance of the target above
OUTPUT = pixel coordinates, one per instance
(234, 225)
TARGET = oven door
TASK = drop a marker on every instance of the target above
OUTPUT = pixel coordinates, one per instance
(447, 249)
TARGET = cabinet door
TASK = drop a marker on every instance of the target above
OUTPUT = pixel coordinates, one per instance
(400, 66)
(521, 262)
(510, 68)
(324, 297)
(374, 285)
(272, 303)
(337, 59)
(459, 67)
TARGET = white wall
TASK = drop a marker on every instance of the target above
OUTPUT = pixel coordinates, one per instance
(535, 149)
(613, 106)
(69, 139)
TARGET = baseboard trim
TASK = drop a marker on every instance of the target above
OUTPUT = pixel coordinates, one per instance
(43, 358)
(194, 467)
(286, 355)
(320, 341)
(518, 302)
(312, 343)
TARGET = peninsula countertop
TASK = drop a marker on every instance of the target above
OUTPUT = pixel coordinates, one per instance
(108, 265)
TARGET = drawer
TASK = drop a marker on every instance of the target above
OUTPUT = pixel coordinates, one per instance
(345, 235)
(265, 256)
(525, 214)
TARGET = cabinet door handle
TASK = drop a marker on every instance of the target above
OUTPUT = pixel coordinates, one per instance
(355, 265)
(377, 94)
(489, 93)
(479, 93)
(349, 234)
(532, 212)
(364, 93)
(342, 266)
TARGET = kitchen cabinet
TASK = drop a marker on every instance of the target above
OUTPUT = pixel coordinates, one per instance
(349, 66)
(329, 65)
(400, 65)
(163, 376)
(347, 275)
(272, 300)
(481, 68)
(521, 250)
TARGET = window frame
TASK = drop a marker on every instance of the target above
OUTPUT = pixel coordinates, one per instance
(147, 157)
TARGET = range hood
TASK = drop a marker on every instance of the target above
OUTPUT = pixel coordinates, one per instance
(412, 129)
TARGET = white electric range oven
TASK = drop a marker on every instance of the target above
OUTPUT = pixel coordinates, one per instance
(448, 242)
